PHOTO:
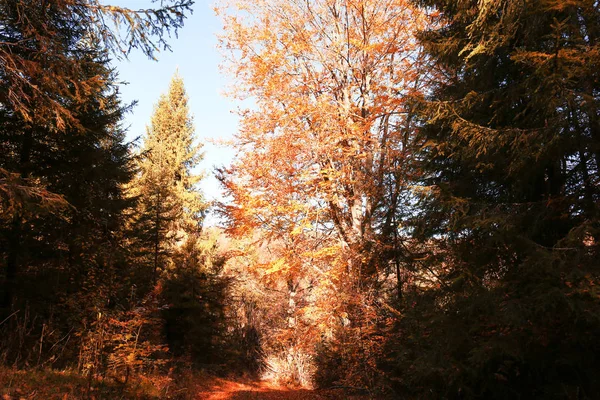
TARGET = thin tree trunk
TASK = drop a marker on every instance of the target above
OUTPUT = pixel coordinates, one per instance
(156, 241)
(14, 249)
(14, 234)
(399, 280)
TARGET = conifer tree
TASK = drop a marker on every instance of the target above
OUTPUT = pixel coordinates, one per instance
(512, 204)
(79, 248)
(49, 78)
(171, 205)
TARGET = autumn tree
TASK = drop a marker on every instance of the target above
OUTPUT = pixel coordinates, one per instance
(325, 155)
(511, 200)
(324, 158)
(171, 205)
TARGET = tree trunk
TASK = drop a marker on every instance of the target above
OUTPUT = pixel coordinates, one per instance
(14, 234)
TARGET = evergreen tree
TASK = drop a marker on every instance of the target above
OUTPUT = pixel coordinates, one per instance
(512, 172)
(171, 205)
(78, 248)
(49, 75)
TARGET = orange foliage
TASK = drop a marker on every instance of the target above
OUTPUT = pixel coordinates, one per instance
(319, 154)
(324, 154)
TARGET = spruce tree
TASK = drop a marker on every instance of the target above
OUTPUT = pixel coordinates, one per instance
(511, 164)
(48, 75)
(171, 205)
(79, 247)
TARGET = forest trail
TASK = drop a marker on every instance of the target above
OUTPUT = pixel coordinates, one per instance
(224, 389)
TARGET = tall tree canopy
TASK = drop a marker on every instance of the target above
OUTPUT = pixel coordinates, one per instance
(324, 158)
(171, 203)
(43, 44)
(44, 71)
(324, 163)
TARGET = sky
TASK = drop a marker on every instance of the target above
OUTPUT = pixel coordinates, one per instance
(195, 55)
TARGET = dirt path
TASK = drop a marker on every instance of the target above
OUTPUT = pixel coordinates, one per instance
(222, 389)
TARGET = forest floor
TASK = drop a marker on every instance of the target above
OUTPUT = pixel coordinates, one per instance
(56, 385)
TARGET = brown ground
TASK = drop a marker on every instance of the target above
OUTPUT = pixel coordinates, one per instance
(63, 385)
(222, 389)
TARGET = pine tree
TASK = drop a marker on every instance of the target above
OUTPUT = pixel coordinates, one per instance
(171, 205)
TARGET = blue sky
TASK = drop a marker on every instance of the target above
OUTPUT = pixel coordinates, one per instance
(195, 54)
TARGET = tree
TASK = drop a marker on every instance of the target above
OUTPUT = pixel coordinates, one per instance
(511, 167)
(325, 156)
(79, 246)
(195, 324)
(49, 74)
(171, 204)
(42, 44)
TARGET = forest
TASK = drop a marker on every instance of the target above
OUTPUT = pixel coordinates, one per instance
(412, 212)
